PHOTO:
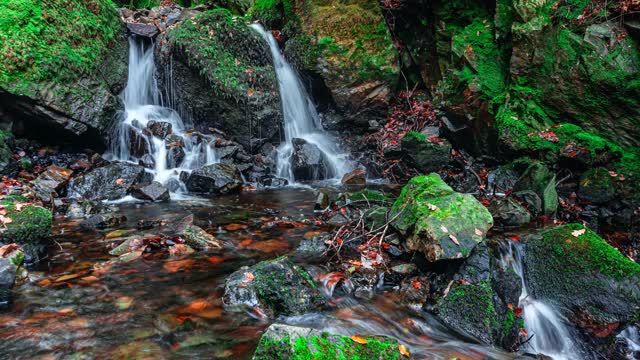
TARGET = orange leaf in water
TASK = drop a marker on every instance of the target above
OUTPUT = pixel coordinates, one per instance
(235, 227)
(215, 259)
(44, 282)
(403, 350)
(66, 312)
(90, 278)
(119, 181)
(246, 242)
(269, 246)
(177, 265)
(359, 339)
(67, 277)
(196, 306)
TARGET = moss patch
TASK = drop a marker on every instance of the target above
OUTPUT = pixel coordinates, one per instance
(30, 227)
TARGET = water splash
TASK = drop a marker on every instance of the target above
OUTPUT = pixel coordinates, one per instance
(301, 119)
(631, 338)
(166, 156)
(550, 334)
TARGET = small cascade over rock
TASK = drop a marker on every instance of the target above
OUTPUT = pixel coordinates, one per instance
(152, 135)
(547, 328)
(307, 153)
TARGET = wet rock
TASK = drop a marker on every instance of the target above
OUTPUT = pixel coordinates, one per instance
(375, 217)
(593, 284)
(147, 161)
(152, 192)
(356, 177)
(338, 219)
(174, 185)
(292, 342)
(144, 30)
(81, 209)
(138, 143)
(509, 214)
(426, 154)
(277, 287)
(502, 180)
(51, 182)
(175, 156)
(322, 201)
(5, 298)
(8, 273)
(437, 221)
(160, 128)
(215, 179)
(531, 200)
(542, 181)
(313, 247)
(102, 221)
(307, 162)
(110, 182)
(597, 186)
(274, 181)
(195, 236)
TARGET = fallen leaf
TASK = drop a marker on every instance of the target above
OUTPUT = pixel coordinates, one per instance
(215, 259)
(90, 278)
(359, 339)
(66, 312)
(177, 265)
(9, 249)
(196, 306)
(124, 302)
(67, 277)
(446, 291)
(248, 277)
(577, 233)
(454, 239)
(120, 181)
(403, 350)
(416, 284)
(432, 207)
(444, 229)
(235, 227)
(478, 232)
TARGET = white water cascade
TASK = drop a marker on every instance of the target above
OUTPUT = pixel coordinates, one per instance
(164, 152)
(550, 335)
(301, 119)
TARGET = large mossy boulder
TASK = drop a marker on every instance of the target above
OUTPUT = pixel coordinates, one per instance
(63, 65)
(482, 300)
(222, 75)
(30, 227)
(347, 45)
(285, 342)
(274, 287)
(596, 286)
(438, 221)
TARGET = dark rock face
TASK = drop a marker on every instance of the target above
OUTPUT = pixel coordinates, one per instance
(144, 30)
(278, 287)
(307, 161)
(8, 273)
(356, 177)
(597, 186)
(51, 182)
(152, 192)
(215, 179)
(243, 103)
(110, 182)
(160, 128)
(539, 179)
(509, 214)
(427, 155)
(138, 143)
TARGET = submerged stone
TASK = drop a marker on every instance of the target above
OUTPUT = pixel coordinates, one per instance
(355, 177)
(292, 342)
(276, 287)
(437, 221)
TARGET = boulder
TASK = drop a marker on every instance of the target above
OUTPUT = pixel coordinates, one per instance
(8, 273)
(30, 228)
(276, 287)
(438, 221)
(75, 95)
(175, 156)
(355, 177)
(151, 192)
(147, 161)
(597, 186)
(595, 286)
(243, 99)
(539, 179)
(160, 128)
(426, 154)
(292, 342)
(509, 214)
(144, 30)
(307, 161)
(51, 182)
(138, 143)
(110, 182)
(215, 179)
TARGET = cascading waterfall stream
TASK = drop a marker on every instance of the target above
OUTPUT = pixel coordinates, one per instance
(168, 151)
(551, 336)
(301, 119)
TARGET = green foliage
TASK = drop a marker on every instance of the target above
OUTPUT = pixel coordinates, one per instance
(53, 40)
(227, 52)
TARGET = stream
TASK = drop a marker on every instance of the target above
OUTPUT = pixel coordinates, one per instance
(83, 304)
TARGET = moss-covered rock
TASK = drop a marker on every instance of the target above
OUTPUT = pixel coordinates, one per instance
(30, 226)
(222, 75)
(346, 44)
(593, 283)
(275, 287)
(62, 66)
(291, 342)
(438, 221)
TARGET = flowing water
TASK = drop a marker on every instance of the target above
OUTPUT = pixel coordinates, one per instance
(166, 156)
(548, 330)
(86, 304)
(301, 119)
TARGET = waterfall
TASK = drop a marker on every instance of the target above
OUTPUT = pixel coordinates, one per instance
(551, 336)
(301, 119)
(151, 134)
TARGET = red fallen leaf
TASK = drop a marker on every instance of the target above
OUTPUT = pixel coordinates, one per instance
(485, 202)
(514, 238)
(8, 249)
(248, 277)
(343, 210)
(235, 227)
(359, 339)
(250, 92)
(215, 259)
(246, 242)
(339, 241)
(549, 135)
(523, 333)
(416, 284)
(518, 311)
(454, 239)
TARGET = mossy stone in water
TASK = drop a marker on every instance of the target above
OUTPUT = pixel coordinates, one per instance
(577, 270)
(432, 217)
(297, 343)
(30, 227)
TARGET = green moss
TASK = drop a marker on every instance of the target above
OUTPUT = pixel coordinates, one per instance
(471, 305)
(53, 40)
(414, 135)
(227, 52)
(30, 225)
(588, 253)
(367, 194)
